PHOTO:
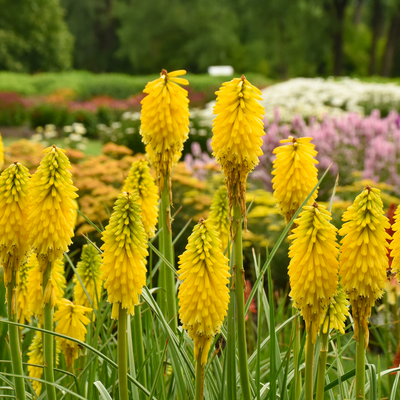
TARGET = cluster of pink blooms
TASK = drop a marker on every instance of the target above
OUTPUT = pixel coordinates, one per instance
(368, 145)
(352, 143)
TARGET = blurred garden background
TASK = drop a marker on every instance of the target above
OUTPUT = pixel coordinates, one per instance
(73, 73)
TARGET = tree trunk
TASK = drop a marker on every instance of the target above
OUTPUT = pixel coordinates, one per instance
(393, 37)
(376, 25)
(358, 12)
(339, 9)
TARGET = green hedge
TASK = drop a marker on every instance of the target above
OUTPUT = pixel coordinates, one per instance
(86, 84)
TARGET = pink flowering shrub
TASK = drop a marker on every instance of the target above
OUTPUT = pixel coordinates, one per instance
(358, 147)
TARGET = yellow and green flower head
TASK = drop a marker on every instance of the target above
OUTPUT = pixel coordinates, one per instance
(35, 354)
(219, 215)
(140, 180)
(88, 269)
(337, 313)
(1, 153)
(237, 131)
(124, 254)
(395, 245)
(203, 295)
(295, 174)
(56, 287)
(363, 256)
(52, 213)
(23, 297)
(71, 321)
(14, 189)
(165, 121)
(313, 268)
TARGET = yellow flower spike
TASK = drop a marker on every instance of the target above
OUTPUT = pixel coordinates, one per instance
(35, 285)
(35, 354)
(124, 256)
(88, 269)
(237, 131)
(165, 121)
(140, 180)
(203, 295)
(337, 312)
(313, 268)
(395, 245)
(14, 189)
(1, 152)
(52, 214)
(72, 322)
(295, 174)
(219, 215)
(363, 257)
(23, 296)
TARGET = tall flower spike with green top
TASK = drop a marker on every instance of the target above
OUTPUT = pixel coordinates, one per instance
(236, 142)
(141, 181)
(14, 189)
(395, 245)
(23, 299)
(335, 318)
(203, 295)
(363, 264)
(295, 174)
(71, 321)
(51, 224)
(164, 129)
(124, 270)
(219, 215)
(313, 272)
(88, 269)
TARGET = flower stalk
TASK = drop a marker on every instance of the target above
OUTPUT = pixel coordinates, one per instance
(168, 278)
(122, 354)
(14, 338)
(199, 394)
(360, 366)
(48, 341)
(323, 355)
(239, 284)
(138, 345)
(309, 388)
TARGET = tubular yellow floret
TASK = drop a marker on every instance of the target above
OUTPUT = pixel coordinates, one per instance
(14, 189)
(337, 313)
(52, 213)
(203, 295)
(140, 180)
(165, 121)
(395, 245)
(23, 297)
(124, 257)
(363, 256)
(88, 269)
(35, 285)
(237, 131)
(313, 268)
(219, 215)
(35, 354)
(72, 322)
(295, 174)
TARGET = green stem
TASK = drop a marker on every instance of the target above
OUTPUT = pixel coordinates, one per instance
(323, 355)
(166, 238)
(360, 365)
(309, 365)
(122, 355)
(239, 284)
(14, 338)
(138, 346)
(48, 340)
(199, 377)
(296, 353)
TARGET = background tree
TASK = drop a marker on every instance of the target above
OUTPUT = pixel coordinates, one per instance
(34, 36)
